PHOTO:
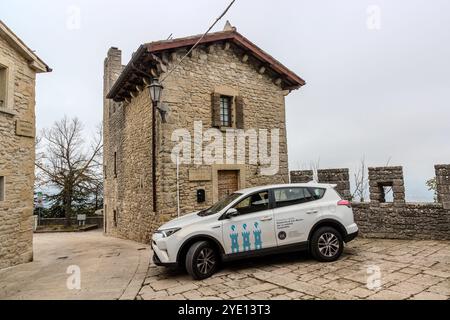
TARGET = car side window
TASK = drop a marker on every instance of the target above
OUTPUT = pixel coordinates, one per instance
(253, 203)
(318, 193)
(291, 196)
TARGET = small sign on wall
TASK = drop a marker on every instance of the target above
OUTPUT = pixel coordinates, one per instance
(200, 175)
(24, 129)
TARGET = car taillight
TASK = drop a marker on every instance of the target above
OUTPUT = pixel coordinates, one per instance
(344, 203)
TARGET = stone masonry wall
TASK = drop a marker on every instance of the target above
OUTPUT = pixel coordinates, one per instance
(187, 92)
(443, 184)
(340, 177)
(301, 176)
(386, 178)
(398, 219)
(17, 163)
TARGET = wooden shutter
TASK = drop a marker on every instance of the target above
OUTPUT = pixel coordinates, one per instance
(239, 112)
(215, 110)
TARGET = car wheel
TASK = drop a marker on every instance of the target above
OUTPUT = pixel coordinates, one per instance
(201, 260)
(326, 244)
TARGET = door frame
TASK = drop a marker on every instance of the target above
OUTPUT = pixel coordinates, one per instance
(241, 170)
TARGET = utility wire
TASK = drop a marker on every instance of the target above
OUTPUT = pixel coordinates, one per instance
(199, 40)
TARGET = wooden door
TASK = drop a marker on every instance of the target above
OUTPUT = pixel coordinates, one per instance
(227, 182)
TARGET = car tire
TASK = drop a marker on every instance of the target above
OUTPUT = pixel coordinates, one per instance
(202, 260)
(327, 244)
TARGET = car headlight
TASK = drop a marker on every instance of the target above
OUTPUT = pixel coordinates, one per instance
(168, 232)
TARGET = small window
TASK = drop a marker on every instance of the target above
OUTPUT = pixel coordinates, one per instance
(385, 192)
(291, 196)
(225, 111)
(115, 218)
(2, 188)
(115, 164)
(254, 203)
(3, 87)
(105, 218)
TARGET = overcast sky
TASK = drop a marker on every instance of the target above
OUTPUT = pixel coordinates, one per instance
(377, 72)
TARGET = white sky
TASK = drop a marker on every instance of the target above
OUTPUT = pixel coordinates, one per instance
(382, 93)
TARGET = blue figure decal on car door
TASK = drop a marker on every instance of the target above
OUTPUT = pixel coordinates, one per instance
(246, 239)
(257, 235)
(234, 240)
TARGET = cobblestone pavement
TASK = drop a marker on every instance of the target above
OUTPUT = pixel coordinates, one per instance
(408, 270)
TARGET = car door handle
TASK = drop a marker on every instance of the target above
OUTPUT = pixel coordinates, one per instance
(312, 211)
(266, 219)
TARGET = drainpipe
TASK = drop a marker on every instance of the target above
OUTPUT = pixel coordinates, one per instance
(178, 186)
(154, 154)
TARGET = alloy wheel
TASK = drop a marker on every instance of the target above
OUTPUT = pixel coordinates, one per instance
(206, 260)
(328, 244)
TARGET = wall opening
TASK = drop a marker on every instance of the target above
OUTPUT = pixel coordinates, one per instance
(105, 218)
(385, 192)
(2, 188)
(388, 195)
(115, 218)
(115, 164)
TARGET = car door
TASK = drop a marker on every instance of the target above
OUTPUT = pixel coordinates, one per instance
(294, 211)
(253, 227)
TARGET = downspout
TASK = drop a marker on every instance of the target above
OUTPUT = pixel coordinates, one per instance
(154, 156)
(178, 186)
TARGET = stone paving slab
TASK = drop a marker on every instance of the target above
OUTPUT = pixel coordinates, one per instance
(408, 270)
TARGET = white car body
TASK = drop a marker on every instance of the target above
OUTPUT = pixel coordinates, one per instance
(279, 227)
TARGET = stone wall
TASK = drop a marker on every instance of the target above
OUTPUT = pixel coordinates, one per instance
(443, 184)
(408, 221)
(399, 219)
(386, 179)
(301, 176)
(187, 93)
(340, 177)
(17, 161)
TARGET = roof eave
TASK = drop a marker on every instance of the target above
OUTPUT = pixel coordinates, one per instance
(290, 79)
(118, 83)
(34, 62)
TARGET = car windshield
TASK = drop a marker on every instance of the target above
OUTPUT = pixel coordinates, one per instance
(219, 205)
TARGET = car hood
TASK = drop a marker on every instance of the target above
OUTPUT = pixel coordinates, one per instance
(183, 221)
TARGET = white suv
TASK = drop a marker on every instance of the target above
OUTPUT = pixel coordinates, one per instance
(255, 222)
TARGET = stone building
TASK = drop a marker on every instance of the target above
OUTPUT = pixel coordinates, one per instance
(18, 68)
(226, 83)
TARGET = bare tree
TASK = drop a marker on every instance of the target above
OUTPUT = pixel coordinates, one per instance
(314, 167)
(361, 182)
(66, 163)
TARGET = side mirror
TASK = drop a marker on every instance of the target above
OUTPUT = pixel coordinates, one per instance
(232, 212)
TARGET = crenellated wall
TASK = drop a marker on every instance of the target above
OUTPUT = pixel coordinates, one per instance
(397, 219)
(340, 177)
